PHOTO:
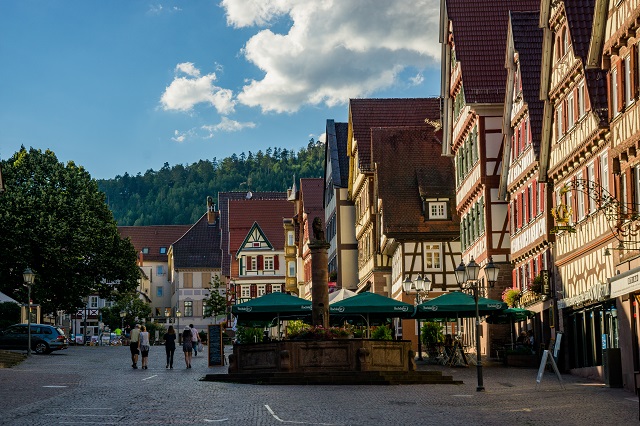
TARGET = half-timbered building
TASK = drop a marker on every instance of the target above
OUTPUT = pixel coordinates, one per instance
(615, 48)
(530, 219)
(339, 210)
(374, 267)
(473, 36)
(575, 159)
(415, 207)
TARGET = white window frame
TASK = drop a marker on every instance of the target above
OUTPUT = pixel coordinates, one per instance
(268, 263)
(604, 171)
(291, 238)
(628, 96)
(580, 201)
(188, 308)
(245, 291)
(571, 119)
(254, 263)
(261, 289)
(433, 256)
(559, 118)
(591, 178)
(93, 302)
(581, 101)
(437, 210)
(291, 269)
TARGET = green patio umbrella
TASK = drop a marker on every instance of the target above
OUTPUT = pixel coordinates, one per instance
(458, 303)
(509, 316)
(367, 305)
(270, 305)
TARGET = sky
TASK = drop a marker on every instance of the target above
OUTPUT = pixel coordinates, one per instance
(125, 85)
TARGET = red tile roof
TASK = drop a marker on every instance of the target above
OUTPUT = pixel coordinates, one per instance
(199, 247)
(410, 167)
(367, 113)
(223, 202)
(527, 41)
(153, 237)
(312, 191)
(267, 213)
(479, 35)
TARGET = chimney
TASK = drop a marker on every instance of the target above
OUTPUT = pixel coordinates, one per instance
(212, 214)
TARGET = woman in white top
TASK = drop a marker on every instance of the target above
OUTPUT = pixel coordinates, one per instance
(144, 346)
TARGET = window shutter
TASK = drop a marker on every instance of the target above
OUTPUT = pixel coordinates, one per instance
(633, 63)
(260, 262)
(610, 95)
(254, 290)
(542, 196)
(523, 136)
(620, 85)
(519, 217)
(514, 277)
(534, 188)
(276, 262)
(268, 288)
(565, 116)
(576, 106)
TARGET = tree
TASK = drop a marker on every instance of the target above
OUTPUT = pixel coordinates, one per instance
(54, 220)
(216, 303)
(9, 314)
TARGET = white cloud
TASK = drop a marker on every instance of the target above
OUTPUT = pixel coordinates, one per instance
(179, 137)
(155, 8)
(333, 50)
(185, 92)
(227, 125)
(417, 79)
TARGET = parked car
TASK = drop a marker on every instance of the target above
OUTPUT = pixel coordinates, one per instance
(44, 338)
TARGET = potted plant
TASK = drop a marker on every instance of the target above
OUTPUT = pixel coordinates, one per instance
(536, 285)
(382, 333)
(511, 296)
(431, 333)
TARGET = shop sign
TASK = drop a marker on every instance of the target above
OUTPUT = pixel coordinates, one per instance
(625, 284)
(593, 294)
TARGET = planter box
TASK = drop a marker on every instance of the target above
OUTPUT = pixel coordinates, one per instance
(323, 356)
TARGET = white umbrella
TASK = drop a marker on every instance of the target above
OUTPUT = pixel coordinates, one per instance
(339, 295)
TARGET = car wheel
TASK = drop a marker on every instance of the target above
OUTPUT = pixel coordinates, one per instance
(41, 348)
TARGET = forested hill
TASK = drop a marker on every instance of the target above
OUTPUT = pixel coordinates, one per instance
(177, 195)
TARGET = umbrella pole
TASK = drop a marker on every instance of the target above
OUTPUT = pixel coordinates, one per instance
(368, 327)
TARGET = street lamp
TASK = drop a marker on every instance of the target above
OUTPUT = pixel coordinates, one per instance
(419, 287)
(467, 278)
(122, 315)
(28, 277)
(178, 315)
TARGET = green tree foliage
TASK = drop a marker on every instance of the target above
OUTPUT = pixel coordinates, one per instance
(216, 303)
(54, 220)
(176, 195)
(9, 314)
(130, 303)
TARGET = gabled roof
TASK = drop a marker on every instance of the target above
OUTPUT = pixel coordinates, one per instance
(367, 113)
(580, 19)
(153, 237)
(254, 228)
(422, 173)
(223, 202)
(336, 150)
(311, 192)
(266, 213)
(199, 247)
(479, 35)
(527, 41)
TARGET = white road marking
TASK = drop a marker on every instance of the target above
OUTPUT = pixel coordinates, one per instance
(465, 396)
(632, 399)
(292, 421)
(84, 415)
(86, 423)
(218, 420)
(54, 386)
(150, 377)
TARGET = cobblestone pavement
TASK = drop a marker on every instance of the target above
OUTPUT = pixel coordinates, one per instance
(96, 385)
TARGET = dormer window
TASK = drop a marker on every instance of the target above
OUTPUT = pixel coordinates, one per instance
(145, 250)
(163, 250)
(436, 209)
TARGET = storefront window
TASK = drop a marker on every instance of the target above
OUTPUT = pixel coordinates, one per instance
(592, 329)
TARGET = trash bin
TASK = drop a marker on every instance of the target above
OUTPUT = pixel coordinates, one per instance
(612, 367)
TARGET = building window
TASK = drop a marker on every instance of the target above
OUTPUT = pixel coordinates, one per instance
(614, 91)
(188, 280)
(188, 308)
(432, 253)
(292, 269)
(291, 238)
(93, 302)
(581, 101)
(570, 113)
(268, 263)
(628, 96)
(167, 312)
(276, 288)
(145, 250)
(163, 250)
(254, 263)
(245, 291)
(590, 192)
(559, 124)
(262, 289)
(159, 291)
(604, 172)
(159, 270)
(580, 201)
(438, 210)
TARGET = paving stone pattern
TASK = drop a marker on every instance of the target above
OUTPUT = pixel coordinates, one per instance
(96, 385)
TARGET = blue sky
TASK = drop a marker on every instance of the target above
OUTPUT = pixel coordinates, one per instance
(125, 85)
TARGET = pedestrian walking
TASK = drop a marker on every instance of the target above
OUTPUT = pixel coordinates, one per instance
(134, 345)
(187, 346)
(144, 347)
(170, 345)
(195, 339)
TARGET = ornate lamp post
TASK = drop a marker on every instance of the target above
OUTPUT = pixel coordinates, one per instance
(28, 277)
(467, 278)
(420, 288)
